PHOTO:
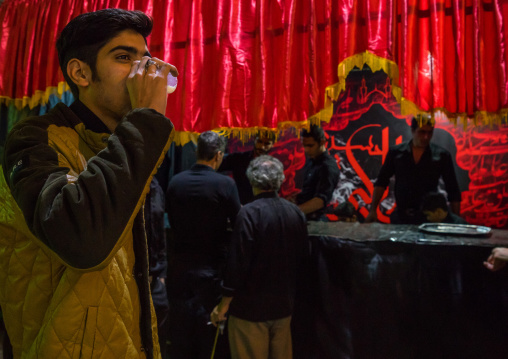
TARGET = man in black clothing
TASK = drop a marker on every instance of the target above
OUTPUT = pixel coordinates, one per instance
(435, 209)
(238, 162)
(268, 245)
(200, 204)
(417, 165)
(321, 174)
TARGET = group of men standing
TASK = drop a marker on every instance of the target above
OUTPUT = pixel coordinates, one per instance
(74, 276)
(249, 254)
(268, 233)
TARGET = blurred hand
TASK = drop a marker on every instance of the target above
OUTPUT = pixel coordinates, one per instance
(497, 260)
(371, 217)
(218, 314)
(147, 83)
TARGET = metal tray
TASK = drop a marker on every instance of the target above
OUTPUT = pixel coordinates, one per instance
(455, 229)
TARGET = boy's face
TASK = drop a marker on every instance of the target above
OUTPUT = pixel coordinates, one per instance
(108, 94)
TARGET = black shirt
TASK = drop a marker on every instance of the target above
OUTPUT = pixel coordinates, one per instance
(321, 178)
(414, 180)
(268, 245)
(237, 163)
(200, 202)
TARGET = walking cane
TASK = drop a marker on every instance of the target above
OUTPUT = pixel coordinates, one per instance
(220, 328)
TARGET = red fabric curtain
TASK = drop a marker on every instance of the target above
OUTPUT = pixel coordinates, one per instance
(262, 63)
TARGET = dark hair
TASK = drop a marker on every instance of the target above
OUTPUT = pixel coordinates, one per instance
(316, 132)
(265, 173)
(209, 143)
(433, 201)
(86, 34)
(421, 120)
(345, 209)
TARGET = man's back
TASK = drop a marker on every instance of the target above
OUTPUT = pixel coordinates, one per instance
(268, 245)
(200, 203)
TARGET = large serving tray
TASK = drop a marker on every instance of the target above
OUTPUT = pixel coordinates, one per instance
(455, 229)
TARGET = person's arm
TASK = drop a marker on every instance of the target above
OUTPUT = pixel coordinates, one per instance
(376, 199)
(497, 260)
(383, 180)
(312, 205)
(82, 216)
(239, 259)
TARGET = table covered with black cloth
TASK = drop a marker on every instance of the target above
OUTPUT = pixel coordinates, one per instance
(391, 291)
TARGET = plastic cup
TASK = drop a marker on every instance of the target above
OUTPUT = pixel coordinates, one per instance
(172, 83)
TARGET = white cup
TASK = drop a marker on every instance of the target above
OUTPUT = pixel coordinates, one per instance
(172, 82)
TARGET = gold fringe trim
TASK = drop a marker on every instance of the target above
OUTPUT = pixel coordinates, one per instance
(182, 137)
(39, 97)
(480, 118)
(246, 133)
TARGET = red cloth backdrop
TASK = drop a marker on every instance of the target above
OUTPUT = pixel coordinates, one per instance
(263, 63)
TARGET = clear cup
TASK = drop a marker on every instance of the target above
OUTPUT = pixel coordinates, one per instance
(172, 82)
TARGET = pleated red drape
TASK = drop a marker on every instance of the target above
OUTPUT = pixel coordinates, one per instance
(266, 63)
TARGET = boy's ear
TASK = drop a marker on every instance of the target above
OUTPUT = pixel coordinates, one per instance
(79, 72)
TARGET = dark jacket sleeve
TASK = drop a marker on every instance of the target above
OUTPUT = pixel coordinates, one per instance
(328, 179)
(83, 219)
(240, 253)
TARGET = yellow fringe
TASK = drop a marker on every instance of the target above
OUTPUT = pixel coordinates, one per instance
(245, 133)
(480, 118)
(39, 97)
(182, 137)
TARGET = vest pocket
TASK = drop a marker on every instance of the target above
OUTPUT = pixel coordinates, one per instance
(89, 333)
